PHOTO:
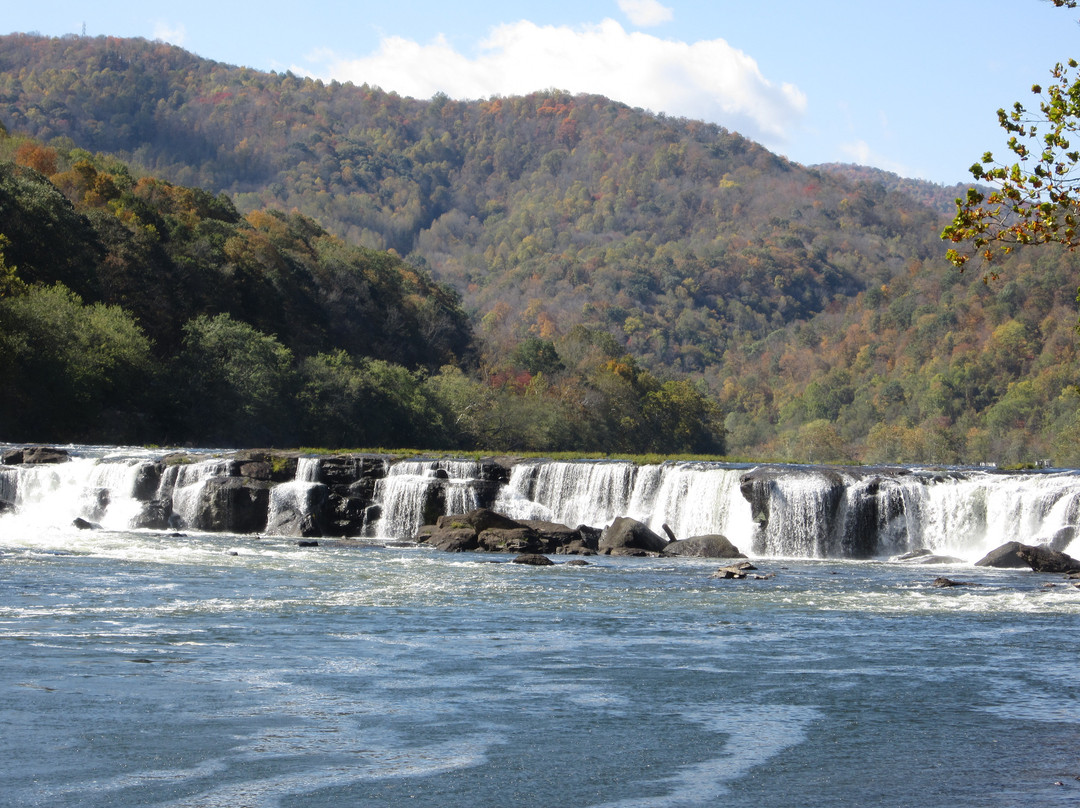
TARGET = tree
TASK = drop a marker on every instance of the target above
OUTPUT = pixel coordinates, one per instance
(10, 283)
(70, 370)
(235, 383)
(1035, 200)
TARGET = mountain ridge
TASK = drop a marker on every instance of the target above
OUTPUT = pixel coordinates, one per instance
(698, 252)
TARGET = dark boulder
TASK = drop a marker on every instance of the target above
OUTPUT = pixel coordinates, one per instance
(945, 583)
(297, 510)
(454, 540)
(83, 524)
(233, 505)
(736, 571)
(520, 539)
(147, 481)
(711, 546)
(1007, 556)
(479, 520)
(558, 538)
(533, 559)
(154, 515)
(1043, 559)
(32, 455)
(485, 529)
(626, 536)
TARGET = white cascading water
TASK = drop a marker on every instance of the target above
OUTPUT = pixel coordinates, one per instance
(307, 469)
(183, 483)
(811, 512)
(403, 494)
(798, 518)
(290, 501)
(54, 495)
(690, 498)
(569, 493)
(970, 516)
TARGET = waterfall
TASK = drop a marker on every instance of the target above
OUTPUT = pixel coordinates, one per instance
(293, 505)
(802, 517)
(581, 493)
(307, 469)
(9, 485)
(183, 483)
(785, 511)
(52, 496)
(415, 492)
(692, 499)
(972, 514)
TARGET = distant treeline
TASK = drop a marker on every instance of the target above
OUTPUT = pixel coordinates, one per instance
(134, 310)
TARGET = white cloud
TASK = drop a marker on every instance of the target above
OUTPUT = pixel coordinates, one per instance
(645, 13)
(707, 80)
(860, 152)
(173, 34)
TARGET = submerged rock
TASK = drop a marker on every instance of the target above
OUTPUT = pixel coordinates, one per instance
(737, 571)
(533, 559)
(944, 583)
(924, 556)
(711, 546)
(453, 540)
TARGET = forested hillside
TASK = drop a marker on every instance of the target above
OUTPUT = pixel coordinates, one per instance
(135, 310)
(593, 243)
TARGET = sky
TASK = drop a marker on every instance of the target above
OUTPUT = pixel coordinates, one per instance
(911, 87)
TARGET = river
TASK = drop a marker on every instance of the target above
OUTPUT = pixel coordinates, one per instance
(140, 668)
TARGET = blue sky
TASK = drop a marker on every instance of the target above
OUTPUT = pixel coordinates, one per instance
(909, 87)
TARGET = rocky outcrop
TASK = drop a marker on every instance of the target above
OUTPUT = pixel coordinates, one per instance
(626, 536)
(298, 510)
(156, 514)
(856, 539)
(1043, 559)
(534, 560)
(924, 556)
(739, 571)
(484, 529)
(233, 505)
(31, 455)
(711, 546)
(1007, 556)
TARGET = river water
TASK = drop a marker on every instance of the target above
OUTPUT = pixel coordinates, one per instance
(142, 669)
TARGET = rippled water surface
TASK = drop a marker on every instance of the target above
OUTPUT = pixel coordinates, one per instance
(143, 670)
